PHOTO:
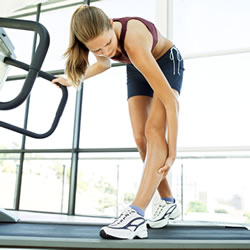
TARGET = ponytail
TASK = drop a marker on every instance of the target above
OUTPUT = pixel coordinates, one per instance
(77, 61)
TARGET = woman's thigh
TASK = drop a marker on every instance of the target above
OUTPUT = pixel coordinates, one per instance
(157, 118)
(139, 108)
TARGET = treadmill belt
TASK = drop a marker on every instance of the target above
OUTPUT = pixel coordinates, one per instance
(171, 232)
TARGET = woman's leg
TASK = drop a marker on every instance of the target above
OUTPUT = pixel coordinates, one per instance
(139, 108)
(157, 151)
(130, 224)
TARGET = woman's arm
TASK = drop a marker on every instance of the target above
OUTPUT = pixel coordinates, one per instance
(102, 64)
(141, 56)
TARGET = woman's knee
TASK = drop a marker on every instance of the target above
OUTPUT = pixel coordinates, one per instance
(140, 141)
(154, 131)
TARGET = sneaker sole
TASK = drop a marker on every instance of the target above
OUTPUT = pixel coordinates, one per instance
(158, 224)
(175, 214)
(138, 235)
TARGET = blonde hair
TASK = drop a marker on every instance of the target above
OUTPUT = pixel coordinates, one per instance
(87, 23)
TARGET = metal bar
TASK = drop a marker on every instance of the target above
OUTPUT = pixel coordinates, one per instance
(52, 72)
(182, 192)
(107, 150)
(59, 111)
(23, 76)
(31, 13)
(75, 151)
(87, 2)
(131, 158)
(128, 158)
(26, 116)
(118, 64)
(128, 150)
(117, 189)
(70, 150)
(64, 180)
(37, 59)
(202, 157)
(170, 19)
(213, 149)
(21, 162)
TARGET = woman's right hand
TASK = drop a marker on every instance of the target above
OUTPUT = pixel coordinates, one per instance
(63, 81)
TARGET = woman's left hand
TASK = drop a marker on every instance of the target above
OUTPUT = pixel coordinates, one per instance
(63, 81)
(165, 169)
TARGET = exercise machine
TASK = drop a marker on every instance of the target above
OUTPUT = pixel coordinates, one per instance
(7, 59)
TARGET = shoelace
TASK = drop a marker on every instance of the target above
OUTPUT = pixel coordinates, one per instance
(122, 217)
(158, 210)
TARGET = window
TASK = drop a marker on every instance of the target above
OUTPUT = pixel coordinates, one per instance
(205, 26)
(8, 168)
(105, 118)
(45, 98)
(10, 139)
(214, 102)
(45, 182)
(105, 184)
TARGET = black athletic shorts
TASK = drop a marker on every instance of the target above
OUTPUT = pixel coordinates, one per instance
(172, 66)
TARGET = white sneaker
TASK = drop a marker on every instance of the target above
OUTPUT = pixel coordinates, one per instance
(164, 212)
(129, 225)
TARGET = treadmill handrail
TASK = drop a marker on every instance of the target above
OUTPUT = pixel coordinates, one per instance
(59, 111)
(37, 59)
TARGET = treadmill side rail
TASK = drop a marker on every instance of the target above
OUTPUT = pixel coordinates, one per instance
(6, 216)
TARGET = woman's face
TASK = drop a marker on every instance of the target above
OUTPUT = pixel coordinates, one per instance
(104, 45)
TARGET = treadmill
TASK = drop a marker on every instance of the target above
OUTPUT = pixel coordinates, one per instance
(16, 233)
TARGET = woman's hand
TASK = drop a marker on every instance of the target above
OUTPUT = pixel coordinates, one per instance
(63, 81)
(165, 169)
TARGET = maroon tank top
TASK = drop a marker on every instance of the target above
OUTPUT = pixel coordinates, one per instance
(124, 20)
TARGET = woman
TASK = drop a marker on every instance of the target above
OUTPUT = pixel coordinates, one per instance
(154, 79)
